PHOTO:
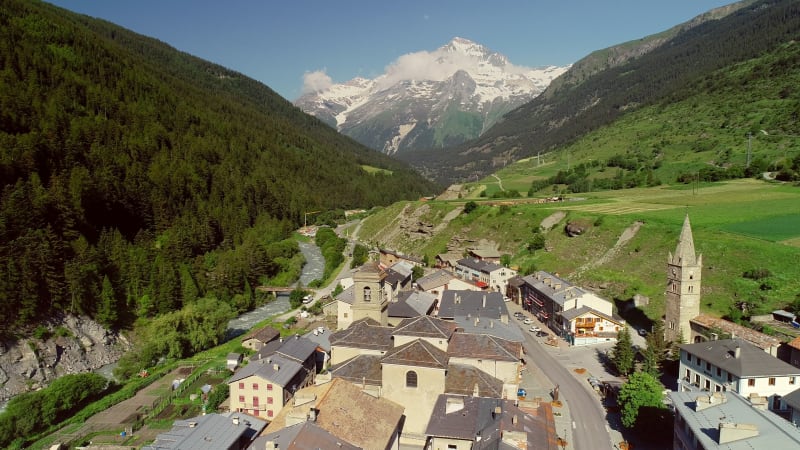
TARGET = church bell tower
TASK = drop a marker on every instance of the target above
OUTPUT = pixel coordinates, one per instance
(683, 287)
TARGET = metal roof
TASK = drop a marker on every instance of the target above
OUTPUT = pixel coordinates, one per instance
(209, 432)
(752, 361)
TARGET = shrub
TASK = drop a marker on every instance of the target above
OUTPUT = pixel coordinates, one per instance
(757, 274)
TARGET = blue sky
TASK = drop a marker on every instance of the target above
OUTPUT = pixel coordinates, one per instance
(277, 42)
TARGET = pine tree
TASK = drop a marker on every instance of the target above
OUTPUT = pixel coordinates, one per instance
(107, 312)
(623, 352)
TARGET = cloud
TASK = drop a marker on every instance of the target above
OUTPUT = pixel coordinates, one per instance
(316, 81)
(420, 66)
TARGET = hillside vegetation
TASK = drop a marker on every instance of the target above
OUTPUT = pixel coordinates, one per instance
(136, 178)
(678, 68)
(739, 226)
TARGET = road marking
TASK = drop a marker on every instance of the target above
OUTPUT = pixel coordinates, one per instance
(573, 425)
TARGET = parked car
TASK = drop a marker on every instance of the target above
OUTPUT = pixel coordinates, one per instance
(527, 321)
(642, 332)
(534, 329)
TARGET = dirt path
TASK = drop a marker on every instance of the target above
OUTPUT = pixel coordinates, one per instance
(626, 236)
(499, 182)
(552, 220)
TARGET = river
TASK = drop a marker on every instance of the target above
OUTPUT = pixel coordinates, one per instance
(313, 269)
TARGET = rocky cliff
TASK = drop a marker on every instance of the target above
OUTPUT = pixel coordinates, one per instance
(75, 345)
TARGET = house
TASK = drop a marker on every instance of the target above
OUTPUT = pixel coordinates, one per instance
(710, 421)
(447, 260)
(462, 423)
(301, 436)
(739, 366)
(486, 275)
(302, 351)
(233, 360)
(341, 409)
(256, 339)
(514, 289)
(586, 326)
(389, 258)
(488, 254)
(792, 401)
(262, 387)
(398, 276)
(411, 304)
(230, 431)
(442, 280)
(436, 331)
(548, 297)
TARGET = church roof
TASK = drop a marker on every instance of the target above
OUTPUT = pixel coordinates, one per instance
(425, 326)
(481, 346)
(461, 379)
(418, 353)
(365, 334)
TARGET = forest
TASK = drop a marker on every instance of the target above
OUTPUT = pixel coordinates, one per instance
(136, 179)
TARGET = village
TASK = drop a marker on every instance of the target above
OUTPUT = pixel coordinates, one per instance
(473, 355)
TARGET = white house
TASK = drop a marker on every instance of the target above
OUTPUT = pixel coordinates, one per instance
(739, 366)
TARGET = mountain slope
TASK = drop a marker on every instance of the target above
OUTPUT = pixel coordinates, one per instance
(429, 100)
(572, 110)
(123, 160)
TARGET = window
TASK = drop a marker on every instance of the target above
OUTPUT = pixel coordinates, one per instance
(367, 294)
(717, 387)
(255, 386)
(708, 385)
(411, 379)
(255, 402)
(691, 288)
(269, 400)
(730, 378)
(345, 315)
(772, 381)
(791, 380)
(751, 382)
(699, 362)
(452, 446)
(241, 399)
(241, 385)
(708, 365)
(688, 374)
(689, 357)
(719, 372)
(269, 386)
(269, 413)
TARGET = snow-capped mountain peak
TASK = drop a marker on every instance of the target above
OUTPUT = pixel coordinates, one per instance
(429, 99)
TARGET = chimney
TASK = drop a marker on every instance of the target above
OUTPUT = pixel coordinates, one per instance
(504, 318)
(236, 420)
(271, 445)
(737, 352)
(477, 320)
(476, 391)
(514, 420)
(484, 300)
(312, 415)
(491, 323)
(453, 404)
(729, 432)
(276, 367)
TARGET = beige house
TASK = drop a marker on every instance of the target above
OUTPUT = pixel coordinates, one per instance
(586, 326)
(363, 337)
(494, 356)
(258, 338)
(262, 387)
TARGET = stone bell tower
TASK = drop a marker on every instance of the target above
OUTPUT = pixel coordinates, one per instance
(683, 287)
(370, 297)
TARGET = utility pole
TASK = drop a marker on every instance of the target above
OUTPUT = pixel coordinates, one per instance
(749, 144)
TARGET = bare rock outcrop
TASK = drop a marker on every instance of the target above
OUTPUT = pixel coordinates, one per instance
(76, 345)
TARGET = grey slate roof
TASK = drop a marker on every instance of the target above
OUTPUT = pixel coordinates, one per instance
(793, 399)
(479, 265)
(752, 362)
(364, 333)
(302, 436)
(276, 368)
(488, 305)
(361, 368)
(493, 327)
(434, 280)
(461, 379)
(348, 295)
(264, 334)
(481, 346)
(416, 353)
(411, 304)
(322, 340)
(425, 326)
(267, 349)
(210, 432)
(297, 348)
(555, 288)
(774, 432)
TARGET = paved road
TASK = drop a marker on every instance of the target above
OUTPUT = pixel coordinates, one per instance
(589, 429)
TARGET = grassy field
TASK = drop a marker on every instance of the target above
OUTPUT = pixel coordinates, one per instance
(738, 226)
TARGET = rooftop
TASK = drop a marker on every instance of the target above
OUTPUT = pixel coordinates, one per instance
(481, 346)
(434, 280)
(760, 340)
(418, 353)
(364, 333)
(301, 436)
(425, 326)
(752, 361)
(773, 432)
(275, 368)
(412, 304)
(297, 348)
(479, 265)
(463, 379)
(263, 335)
(211, 432)
(488, 305)
(577, 312)
(360, 369)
